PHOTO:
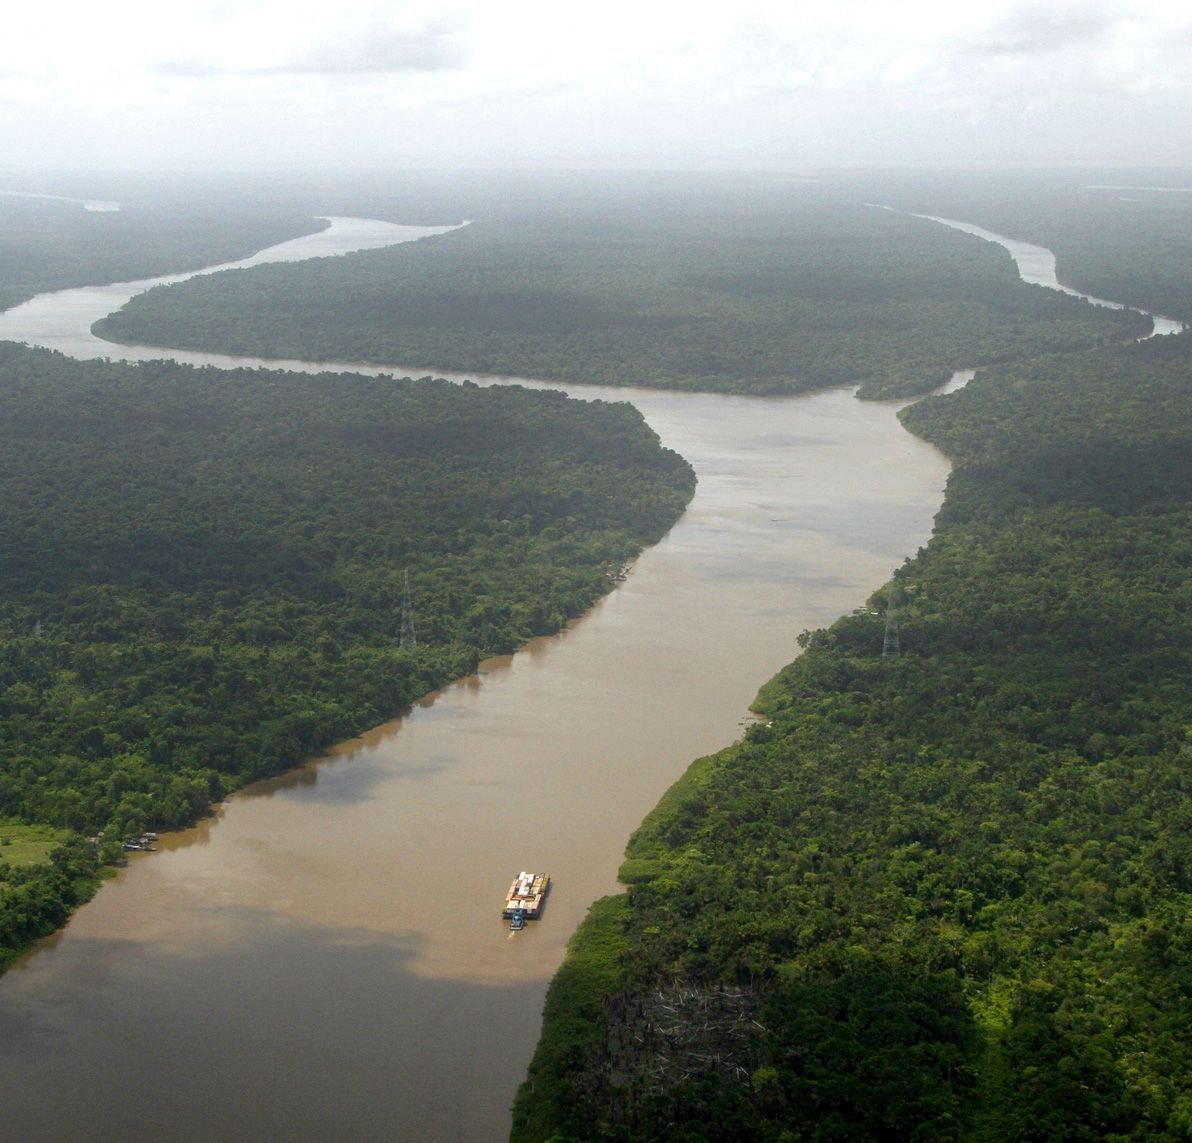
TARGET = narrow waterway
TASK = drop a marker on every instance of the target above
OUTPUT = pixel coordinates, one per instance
(62, 320)
(324, 958)
(1036, 265)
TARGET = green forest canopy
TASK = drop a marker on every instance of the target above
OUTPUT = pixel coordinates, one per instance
(946, 895)
(940, 897)
(52, 245)
(202, 572)
(749, 289)
(1125, 236)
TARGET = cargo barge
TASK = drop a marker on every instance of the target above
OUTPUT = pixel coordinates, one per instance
(526, 896)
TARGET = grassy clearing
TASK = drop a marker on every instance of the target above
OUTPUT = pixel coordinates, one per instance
(28, 844)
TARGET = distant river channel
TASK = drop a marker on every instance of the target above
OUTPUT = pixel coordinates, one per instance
(324, 957)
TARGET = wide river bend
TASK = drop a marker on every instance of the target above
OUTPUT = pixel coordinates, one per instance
(323, 958)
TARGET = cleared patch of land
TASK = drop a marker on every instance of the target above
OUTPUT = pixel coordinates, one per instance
(22, 844)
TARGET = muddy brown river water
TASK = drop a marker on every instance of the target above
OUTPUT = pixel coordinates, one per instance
(324, 958)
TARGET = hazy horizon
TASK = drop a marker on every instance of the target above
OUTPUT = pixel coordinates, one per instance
(459, 85)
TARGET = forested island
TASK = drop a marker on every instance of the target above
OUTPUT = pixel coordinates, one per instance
(942, 894)
(203, 577)
(761, 289)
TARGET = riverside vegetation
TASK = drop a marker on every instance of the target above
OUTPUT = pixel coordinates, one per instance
(944, 895)
(765, 289)
(46, 244)
(938, 897)
(203, 574)
(52, 245)
(1131, 243)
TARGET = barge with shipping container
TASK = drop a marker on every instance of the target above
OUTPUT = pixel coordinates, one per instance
(527, 895)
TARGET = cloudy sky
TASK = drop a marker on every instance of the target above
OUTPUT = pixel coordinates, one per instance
(632, 83)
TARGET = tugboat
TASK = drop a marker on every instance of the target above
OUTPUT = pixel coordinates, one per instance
(517, 920)
(526, 896)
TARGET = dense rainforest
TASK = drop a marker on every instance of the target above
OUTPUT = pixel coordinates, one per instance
(938, 894)
(942, 893)
(1125, 236)
(761, 289)
(202, 574)
(47, 244)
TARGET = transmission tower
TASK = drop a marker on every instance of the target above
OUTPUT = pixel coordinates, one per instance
(890, 645)
(408, 640)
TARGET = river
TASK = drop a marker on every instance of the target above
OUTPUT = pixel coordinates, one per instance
(1036, 265)
(323, 957)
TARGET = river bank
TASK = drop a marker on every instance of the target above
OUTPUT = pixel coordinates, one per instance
(258, 946)
(388, 856)
(913, 902)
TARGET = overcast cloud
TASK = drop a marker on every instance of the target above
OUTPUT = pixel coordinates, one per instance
(257, 83)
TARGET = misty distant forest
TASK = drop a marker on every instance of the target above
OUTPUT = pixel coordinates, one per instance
(766, 293)
(937, 895)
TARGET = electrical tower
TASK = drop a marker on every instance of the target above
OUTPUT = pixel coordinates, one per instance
(890, 646)
(408, 640)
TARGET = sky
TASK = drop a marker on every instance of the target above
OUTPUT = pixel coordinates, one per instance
(739, 84)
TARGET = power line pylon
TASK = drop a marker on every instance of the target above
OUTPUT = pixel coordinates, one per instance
(891, 648)
(407, 640)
